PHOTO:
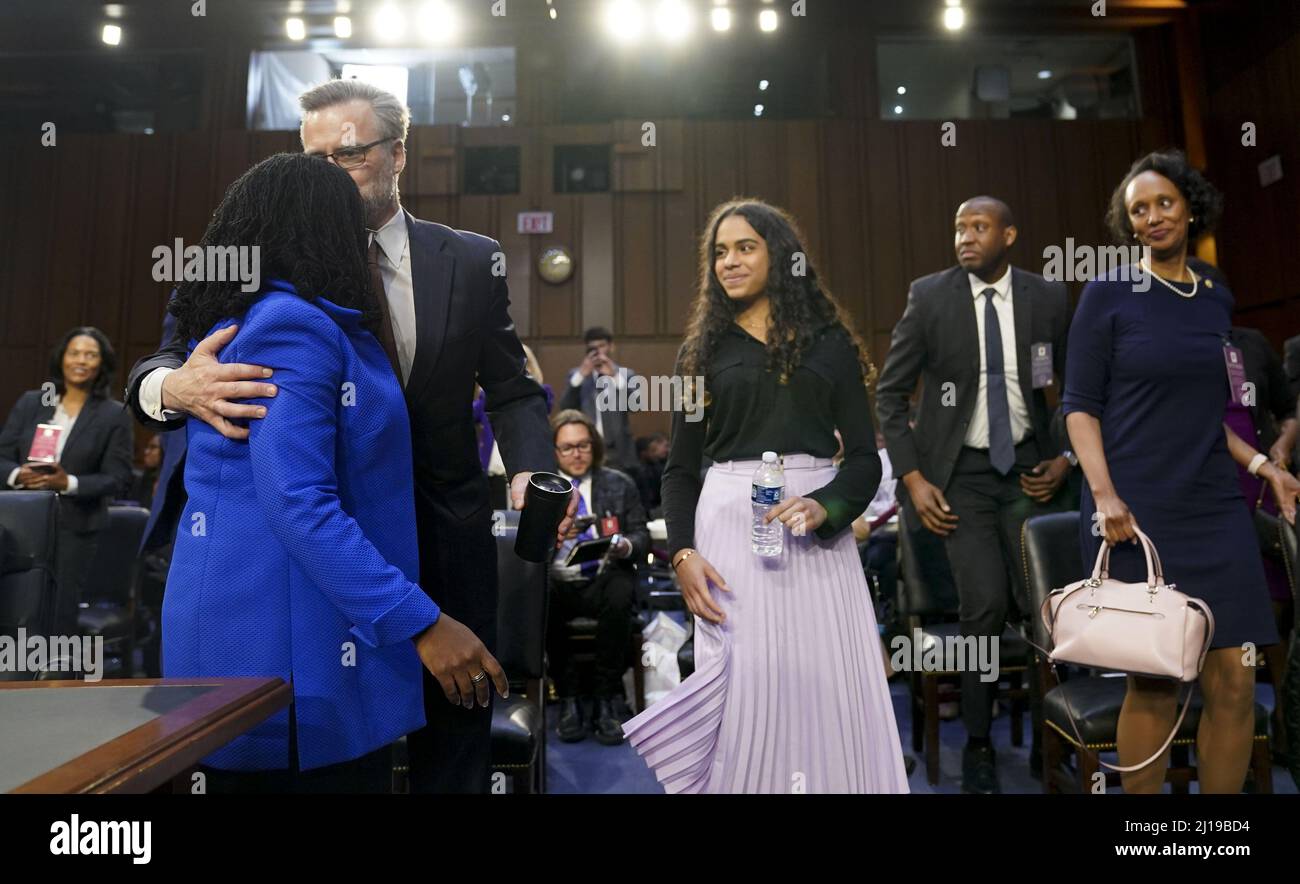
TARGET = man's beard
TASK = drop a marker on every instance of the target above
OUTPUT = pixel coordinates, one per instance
(380, 196)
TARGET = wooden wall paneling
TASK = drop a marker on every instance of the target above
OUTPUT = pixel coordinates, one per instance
(194, 196)
(1000, 168)
(151, 225)
(1042, 215)
(717, 161)
(635, 166)
(683, 225)
(9, 216)
(637, 250)
(108, 202)
(762, 145)
(962, 166)
(887, 205)
(519, 259)
(433, 161)
(804, 188)
(841, 248)
(33, 241)
(929, 215)
(234, 154)
(70, 233)
(1084, 199)
(594, 252)
(475, 213)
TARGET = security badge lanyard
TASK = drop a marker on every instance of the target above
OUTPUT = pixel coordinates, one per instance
(1236, 372)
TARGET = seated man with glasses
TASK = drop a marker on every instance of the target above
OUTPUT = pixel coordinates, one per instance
(603, 589)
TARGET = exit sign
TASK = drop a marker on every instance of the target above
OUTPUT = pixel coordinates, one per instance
(536, 222)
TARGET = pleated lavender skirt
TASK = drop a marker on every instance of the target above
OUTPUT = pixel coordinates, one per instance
(789, 693)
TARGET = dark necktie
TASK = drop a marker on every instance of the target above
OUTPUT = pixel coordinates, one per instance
(386, 339)
(1002, 453)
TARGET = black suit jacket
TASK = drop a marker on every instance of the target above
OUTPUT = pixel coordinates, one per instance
(937, 341)
(464, 335)
(616, 493)
(97, 452)
(614, 429)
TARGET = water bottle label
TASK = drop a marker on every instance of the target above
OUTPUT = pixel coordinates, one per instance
(767, 496)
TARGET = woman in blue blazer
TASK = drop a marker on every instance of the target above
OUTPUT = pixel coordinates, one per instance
(296, 554)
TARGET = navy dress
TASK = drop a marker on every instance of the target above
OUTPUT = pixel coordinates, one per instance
(1150, 366)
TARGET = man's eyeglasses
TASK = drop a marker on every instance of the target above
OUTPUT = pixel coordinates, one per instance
(584, 447)
(351, 157)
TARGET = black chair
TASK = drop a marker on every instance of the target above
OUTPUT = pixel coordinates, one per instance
(927, 609)
(519, 723)
(29, 522)
(580, 632)
(1052, 560)
(108, 604)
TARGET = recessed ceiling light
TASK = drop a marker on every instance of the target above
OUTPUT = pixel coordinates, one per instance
(902, 90)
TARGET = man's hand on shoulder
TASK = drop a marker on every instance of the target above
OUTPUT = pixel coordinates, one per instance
(203, 387)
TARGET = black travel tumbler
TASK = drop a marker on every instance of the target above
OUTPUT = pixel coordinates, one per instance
(547, 500)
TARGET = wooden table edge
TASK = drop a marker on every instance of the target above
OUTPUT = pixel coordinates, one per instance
(160, 749)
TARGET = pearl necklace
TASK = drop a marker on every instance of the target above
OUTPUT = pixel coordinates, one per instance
(1169, 285)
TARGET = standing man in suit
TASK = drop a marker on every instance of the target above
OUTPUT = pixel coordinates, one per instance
(985, 339)
(603, 590)
(596, 388)
(445, 326)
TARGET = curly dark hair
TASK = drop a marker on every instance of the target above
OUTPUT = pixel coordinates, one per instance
(1203, 198)
(801, 305)
(107, 361)
(305, 216)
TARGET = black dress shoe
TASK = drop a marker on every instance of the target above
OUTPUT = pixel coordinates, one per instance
(609, 729)
(573, 727)
(909, 764)
(979, 776)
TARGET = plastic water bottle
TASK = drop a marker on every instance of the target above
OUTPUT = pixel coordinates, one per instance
(768, 491)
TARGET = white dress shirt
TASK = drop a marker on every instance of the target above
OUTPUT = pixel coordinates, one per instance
(395, 268)
(61, 419)
(394, 240)
(886, 491)
(977, 434)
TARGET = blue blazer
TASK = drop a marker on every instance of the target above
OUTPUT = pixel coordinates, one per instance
(296, 554)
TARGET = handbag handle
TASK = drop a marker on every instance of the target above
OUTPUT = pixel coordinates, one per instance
(1155, 570)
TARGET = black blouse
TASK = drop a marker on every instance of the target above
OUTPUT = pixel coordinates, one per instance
(749, 412)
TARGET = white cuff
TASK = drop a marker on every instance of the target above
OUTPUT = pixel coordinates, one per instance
(151, 396)
(576, 378)
(12, 481)
(72, 486)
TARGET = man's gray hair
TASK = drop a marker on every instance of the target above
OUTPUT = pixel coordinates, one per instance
(393, 116)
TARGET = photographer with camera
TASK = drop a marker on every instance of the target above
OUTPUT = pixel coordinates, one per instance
(583, 393)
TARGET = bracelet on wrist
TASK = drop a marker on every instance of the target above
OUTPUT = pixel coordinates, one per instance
(1255, 463)
(682, 556)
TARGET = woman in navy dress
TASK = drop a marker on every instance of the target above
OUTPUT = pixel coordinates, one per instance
(1146, 391)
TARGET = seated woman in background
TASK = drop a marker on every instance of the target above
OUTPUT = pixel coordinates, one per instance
(297, 554)
(146, 483)
(71, 438)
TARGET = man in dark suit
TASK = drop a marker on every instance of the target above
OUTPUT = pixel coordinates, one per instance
(445, 326)
(598, 388)
(603, 590)
(985, 339)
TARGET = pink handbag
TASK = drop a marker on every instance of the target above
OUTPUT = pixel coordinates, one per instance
(1148, 629)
